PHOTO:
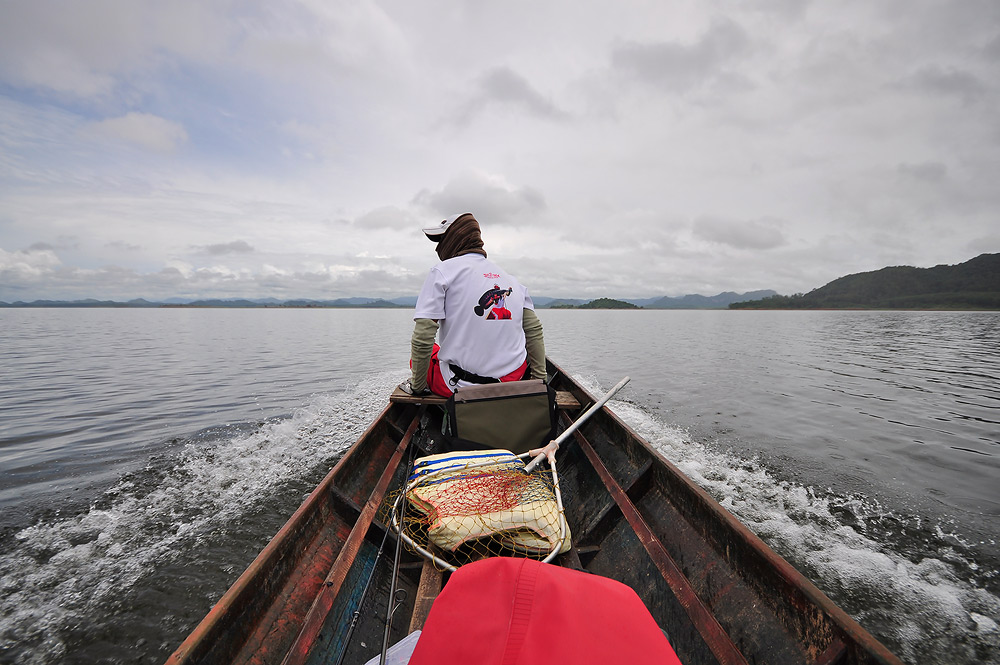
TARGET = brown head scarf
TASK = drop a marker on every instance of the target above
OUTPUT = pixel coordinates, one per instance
(462, 237)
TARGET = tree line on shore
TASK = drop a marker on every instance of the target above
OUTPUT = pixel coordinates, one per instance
(974, 284)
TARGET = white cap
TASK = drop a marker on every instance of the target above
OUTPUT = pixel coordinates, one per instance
(436, 231)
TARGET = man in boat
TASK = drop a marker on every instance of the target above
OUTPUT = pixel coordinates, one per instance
(483, 317)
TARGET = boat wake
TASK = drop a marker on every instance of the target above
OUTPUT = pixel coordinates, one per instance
(133, 573)
(926, 601)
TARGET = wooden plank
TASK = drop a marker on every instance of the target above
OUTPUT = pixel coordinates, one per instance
(315, 619)
(431, 582)
(701, 617)
(834, 654)
(565, 401)
(399, 397)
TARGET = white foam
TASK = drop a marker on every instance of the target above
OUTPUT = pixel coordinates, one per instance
(924, 609)
(62, 573)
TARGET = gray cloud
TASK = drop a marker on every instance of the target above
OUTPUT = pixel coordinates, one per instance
(505, 85)
(234, 247)
(680, 67)
(926, 171)
(502, 86)
(123, 246)
(741, 234)
(947, 81)
(62, 242)
(142, 129)
(386, 217)
(984, 244)
(786, 9)
(992, 49)
(491, 200)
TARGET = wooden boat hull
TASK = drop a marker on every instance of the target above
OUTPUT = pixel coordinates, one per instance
(716, 589)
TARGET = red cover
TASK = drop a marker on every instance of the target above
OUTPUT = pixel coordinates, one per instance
(508, 611)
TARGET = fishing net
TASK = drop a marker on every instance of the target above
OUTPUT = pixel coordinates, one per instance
(464, 506)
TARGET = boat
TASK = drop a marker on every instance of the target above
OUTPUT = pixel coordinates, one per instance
(319, 591)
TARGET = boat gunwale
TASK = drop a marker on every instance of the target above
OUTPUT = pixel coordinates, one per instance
(781, 570)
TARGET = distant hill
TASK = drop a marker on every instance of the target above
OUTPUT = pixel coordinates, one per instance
(224, 303)
(721, 301)
(557, 303)
(89, 302)
(341, 302)
(600, 303)
(974, 284)
(643, 302)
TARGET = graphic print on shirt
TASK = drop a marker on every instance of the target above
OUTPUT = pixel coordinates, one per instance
(495, 300)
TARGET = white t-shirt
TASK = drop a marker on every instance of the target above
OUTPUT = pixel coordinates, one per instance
(480, 308)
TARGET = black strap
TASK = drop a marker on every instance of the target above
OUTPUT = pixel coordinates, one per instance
(461, 375)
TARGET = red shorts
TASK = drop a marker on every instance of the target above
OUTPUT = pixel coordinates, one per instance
(438, 386)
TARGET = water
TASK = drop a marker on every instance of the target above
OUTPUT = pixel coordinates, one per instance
(146, 456)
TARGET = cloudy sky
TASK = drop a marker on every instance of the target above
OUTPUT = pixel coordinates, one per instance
(622, 149)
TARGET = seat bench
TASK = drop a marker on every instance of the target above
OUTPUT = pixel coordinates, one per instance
(564, 399)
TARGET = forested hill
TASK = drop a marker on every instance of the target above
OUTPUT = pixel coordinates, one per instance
(974, 284)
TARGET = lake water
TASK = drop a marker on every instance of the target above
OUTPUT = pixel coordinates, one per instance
(146, 456)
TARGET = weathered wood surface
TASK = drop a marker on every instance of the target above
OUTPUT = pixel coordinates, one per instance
(431, 582)
(565, 400)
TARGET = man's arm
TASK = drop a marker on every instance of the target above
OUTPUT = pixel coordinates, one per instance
(421, 347)
(534, 342)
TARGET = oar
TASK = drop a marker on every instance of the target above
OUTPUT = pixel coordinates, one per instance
(549, 451)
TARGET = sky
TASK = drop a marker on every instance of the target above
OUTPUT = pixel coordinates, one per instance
(294, 149)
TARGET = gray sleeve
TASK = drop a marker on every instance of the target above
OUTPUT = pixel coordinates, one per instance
(421, 346)
(534, 343)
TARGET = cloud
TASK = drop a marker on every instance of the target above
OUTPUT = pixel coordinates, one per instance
(27, 269)
(925, 171)
(142, 129)
(490, 198)
(235, 247)
(118, 245)
(946, 81)
(786, 9)
(63, 73)
(40, 256)
(91, 51)
(992, 49)
(681, 67)
(504, 87)
(741, 234)
(386, 217)
(984, 244)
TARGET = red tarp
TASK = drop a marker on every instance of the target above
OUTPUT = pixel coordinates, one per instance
(507, 611)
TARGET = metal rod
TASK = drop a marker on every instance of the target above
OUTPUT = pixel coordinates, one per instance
(563, 527)
(393, 600)
(554, 445)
